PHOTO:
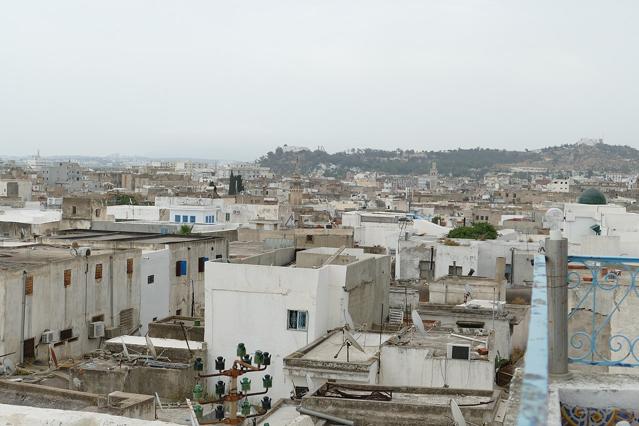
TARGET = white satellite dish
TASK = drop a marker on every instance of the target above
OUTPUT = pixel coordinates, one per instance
(351, 339)
(8, 367)
(458, 417)
(124, 349)
(348, 319)
(149, 345)
(418, 323)
(312, 387)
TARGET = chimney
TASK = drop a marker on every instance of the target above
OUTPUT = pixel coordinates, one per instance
(500, 272)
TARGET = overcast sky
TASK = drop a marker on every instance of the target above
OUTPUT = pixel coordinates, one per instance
(235, 79)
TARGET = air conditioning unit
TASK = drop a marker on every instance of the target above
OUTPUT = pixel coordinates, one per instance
(112, 332)
(48, 337)
(96, 329)
(457, 351)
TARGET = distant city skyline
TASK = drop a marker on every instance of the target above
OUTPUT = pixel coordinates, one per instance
(233, 80)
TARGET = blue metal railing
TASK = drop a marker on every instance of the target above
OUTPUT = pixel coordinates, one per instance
(601, 287)
(533, 409)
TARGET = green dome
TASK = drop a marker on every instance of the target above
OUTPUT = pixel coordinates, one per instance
(592, 196)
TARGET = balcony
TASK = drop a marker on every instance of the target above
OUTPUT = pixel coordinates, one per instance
(580, 365)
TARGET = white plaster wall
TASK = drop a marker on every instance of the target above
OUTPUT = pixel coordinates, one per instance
(18, 415)
(154, 298)
(465, 256)
(249, 304)
(127, 212)
(199, 213)
(413, 366)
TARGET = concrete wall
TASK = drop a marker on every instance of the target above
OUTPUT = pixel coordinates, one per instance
(171, 330)
(367, 284)
(154, 297)
(169, 383)
(55, 307)
(183, 288)
(450, 291)
(466, 256)
(410, 254)
(256, 298)
(303, 238)
(277, 257)
(411, 366)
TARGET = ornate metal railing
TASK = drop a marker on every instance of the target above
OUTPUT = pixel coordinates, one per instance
(533, 405)
(603, 304)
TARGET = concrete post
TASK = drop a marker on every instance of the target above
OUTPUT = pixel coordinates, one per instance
(557, 273)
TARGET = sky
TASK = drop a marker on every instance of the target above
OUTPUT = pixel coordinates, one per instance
(235, 79)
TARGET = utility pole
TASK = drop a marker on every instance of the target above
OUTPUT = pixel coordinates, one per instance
(226, 410)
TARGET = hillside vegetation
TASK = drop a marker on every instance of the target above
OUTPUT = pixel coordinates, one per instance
(458, 162)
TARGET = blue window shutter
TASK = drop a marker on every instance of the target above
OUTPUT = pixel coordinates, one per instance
(185, 218)
(183, 267)
(177, 218)
(192, 219)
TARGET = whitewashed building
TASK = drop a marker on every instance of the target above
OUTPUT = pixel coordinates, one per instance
(280, 309)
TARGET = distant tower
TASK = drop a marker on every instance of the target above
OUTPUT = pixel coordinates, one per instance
(434, 176)
(296, 191)
(433, 169)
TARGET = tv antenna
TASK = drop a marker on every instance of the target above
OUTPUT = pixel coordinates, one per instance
(348, 319)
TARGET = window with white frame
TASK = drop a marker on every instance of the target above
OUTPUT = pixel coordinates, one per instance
(296, 320)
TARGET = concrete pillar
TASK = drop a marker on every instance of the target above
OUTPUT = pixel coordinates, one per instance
(500, 272)
(557, 273)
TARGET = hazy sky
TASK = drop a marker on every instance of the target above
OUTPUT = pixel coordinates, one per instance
(234, 79)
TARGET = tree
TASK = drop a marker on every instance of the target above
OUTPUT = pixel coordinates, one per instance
(123, 199)
(478, 231)
(232, 187)
(185, 230)
(239, 184)
(236, 186)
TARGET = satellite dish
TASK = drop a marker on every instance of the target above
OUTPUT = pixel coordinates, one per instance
(149, 345)
(468, 289)
(348, 319)
(458, 417)
(8, 367)
(312, 387)
(418, 323)
(124, 349)
(351, 339)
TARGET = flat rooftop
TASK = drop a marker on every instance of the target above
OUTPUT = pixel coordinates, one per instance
(141, 237)
(435, 341)
(466, 311)
(283, 412)
(37, 255)
(327, 348)
(157, 342)
(399, 405)
(245, 249)
(29, 216)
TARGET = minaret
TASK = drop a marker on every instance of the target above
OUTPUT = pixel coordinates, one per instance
(296, 191)
(434, 176)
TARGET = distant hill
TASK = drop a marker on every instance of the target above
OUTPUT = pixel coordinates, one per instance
(459, 162)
